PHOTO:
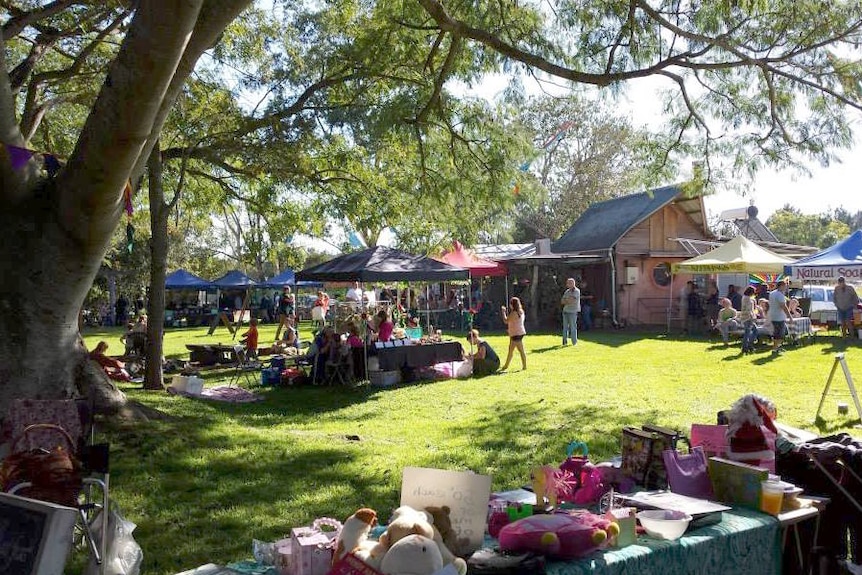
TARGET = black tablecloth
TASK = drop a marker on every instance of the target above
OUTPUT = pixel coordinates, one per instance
(392, 358)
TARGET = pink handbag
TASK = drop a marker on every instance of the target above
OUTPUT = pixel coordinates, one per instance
(687, 473)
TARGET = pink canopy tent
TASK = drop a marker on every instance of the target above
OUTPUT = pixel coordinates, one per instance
(461, 257)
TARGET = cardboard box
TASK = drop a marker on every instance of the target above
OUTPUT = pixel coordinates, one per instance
(311, 551)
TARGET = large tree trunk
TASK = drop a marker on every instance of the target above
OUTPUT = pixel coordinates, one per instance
(55, 232)
(158, 270)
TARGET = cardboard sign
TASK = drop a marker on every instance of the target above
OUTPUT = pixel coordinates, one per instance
(465, 493)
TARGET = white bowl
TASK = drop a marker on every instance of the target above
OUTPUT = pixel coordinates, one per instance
(664, 524)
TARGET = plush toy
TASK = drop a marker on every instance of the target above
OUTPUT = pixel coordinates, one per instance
(409, 521)
(442, 523)
(354, 532)
(412, 555)
(371, 553)
(558, 536)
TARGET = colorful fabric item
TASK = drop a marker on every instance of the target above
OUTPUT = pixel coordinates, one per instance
(19, 157)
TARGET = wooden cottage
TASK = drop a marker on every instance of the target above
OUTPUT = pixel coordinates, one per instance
(625, 247)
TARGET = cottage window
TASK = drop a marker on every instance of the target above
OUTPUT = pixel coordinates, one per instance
(661, 274)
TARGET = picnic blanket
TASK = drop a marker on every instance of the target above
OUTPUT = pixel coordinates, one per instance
(221, 393)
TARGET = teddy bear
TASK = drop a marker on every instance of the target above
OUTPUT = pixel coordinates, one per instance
(409, 521)
(442, 522)
(371, 553)
(412, 555)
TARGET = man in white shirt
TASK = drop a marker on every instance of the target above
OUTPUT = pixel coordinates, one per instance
(355, 293)
(779, 313)
(571, 302)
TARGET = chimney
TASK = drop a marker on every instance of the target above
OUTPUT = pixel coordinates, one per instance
(543, 246)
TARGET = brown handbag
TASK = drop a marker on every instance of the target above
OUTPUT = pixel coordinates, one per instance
(642, 454)
(54, 475)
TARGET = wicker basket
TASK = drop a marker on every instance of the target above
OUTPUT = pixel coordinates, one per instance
(54, 475)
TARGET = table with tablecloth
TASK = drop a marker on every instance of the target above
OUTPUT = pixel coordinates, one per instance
(420, 355)
(743, 542)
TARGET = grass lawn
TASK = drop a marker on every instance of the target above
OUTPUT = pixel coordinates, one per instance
(204, 483)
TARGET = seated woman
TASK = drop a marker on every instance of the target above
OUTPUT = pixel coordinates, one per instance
(114, 368)
(793, 306)
(485, 359)
(727, 319)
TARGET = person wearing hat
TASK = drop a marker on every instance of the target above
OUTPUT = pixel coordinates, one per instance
(846, 301)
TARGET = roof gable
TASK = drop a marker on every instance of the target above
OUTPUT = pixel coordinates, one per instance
(603, 224)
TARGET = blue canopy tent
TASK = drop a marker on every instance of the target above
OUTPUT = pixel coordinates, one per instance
(182, 279)
(233, 279)
(842, 259)
(288, 278)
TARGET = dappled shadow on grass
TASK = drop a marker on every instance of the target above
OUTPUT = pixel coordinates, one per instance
(202, 494)
(829, 427)
(516, 436)
(836, 344)
(546, 349)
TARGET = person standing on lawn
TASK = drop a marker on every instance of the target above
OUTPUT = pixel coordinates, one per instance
(514, 318)
(571, 302)
(778, 314)
(846, 301)
(586, 305)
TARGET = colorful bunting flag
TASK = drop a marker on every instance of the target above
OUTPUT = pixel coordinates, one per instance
(19, 157)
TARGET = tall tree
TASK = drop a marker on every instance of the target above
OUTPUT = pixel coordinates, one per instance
(749, 83)
(791, 226)
(584, 154)
(58, 228)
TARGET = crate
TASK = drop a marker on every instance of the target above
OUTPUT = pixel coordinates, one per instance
(384, 378)
(179, 382)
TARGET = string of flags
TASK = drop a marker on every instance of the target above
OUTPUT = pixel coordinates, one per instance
(19, 157)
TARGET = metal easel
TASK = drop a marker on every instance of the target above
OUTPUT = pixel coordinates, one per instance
(842, 361)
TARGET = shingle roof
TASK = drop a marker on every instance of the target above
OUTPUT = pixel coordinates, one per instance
(604, 223)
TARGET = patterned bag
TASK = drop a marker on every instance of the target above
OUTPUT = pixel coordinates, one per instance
(642, 454)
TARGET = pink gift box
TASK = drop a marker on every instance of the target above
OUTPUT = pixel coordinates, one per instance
(311, 551)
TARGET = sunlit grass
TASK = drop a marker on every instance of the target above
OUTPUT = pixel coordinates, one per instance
(203, 483)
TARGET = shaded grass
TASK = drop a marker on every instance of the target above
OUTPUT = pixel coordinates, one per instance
(201, 485)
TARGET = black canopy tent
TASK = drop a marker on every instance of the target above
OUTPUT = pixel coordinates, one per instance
(380, 264)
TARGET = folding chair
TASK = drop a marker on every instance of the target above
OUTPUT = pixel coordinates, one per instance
(247, 366)
(340, 369)
(75, 418)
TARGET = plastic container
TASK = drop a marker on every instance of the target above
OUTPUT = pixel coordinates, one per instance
(195, 385)
(179, 382)
(664, 524)
(413, 332)
(384, 378)
(771, 496)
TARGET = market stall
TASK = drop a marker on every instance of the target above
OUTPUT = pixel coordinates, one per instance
(382, 264)
(461, 257)
(841, 259)
(739, 255)
(188, 304)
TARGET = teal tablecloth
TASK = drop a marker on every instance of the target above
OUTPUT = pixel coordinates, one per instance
(744, 542)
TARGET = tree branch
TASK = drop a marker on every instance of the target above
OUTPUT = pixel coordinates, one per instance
(17, 23)
(115, 133)
(214, 17)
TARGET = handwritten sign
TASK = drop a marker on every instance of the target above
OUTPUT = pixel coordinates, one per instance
(465, 493)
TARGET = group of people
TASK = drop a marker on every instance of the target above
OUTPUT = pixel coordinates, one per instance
(485, 359)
